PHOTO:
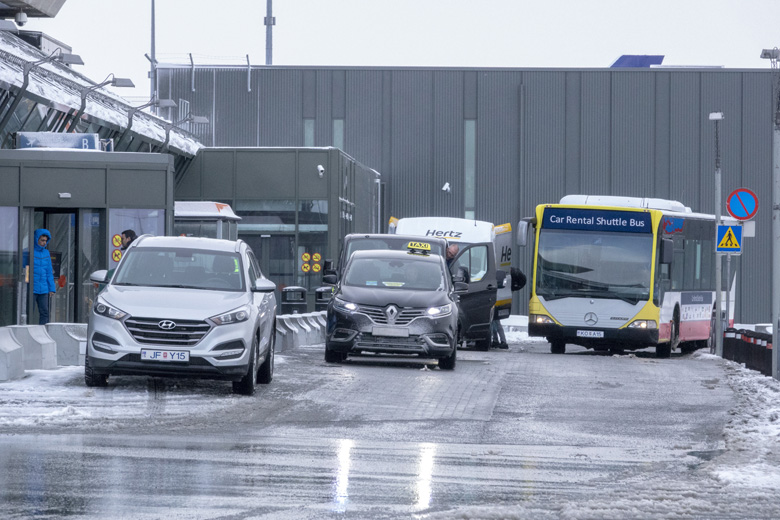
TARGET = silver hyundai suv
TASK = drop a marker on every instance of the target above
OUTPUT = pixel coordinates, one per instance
(184, 307)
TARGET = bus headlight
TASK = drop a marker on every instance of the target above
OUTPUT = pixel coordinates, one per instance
(643, 324)
(540, 319)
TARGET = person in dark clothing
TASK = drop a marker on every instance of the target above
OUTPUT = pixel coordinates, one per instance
(43, 274)
(128, 235)
(498, 338)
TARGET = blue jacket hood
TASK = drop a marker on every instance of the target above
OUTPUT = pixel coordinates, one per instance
(38, 233)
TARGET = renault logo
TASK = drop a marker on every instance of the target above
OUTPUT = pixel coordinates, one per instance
(591, 318)
(167, 325)
(391, 312)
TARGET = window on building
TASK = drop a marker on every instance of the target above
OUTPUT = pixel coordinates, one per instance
(469, 167)
(338, 133)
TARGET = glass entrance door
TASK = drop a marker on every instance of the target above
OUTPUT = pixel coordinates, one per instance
(77, 248)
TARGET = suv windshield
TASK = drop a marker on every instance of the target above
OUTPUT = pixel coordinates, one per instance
(186, 268)
(395, 274)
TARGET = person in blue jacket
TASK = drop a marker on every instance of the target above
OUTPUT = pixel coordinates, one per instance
(43, 274)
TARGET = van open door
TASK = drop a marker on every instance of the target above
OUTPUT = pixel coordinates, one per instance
(475, 264)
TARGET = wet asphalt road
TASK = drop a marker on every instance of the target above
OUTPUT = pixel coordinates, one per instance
(508, 434)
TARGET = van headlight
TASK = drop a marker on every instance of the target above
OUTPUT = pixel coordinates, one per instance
(443, 310)
(643, 324)
(344, 305)
(234, 316)
(103, 309)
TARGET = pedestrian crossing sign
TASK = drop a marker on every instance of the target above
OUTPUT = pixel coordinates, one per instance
(729, 239)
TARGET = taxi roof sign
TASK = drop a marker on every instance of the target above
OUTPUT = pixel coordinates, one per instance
(418, 247)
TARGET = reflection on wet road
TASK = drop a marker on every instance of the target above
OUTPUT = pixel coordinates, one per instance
(518, 434)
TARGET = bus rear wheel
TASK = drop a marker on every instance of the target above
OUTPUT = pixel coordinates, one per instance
(557, 347)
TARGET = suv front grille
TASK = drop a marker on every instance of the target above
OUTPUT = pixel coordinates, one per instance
(378, 315)
(186, 333)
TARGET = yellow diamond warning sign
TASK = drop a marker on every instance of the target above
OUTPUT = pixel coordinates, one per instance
(729, 239)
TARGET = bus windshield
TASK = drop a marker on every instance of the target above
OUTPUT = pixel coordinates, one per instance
(594, 264)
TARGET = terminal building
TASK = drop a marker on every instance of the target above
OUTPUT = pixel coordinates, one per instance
(305, 155)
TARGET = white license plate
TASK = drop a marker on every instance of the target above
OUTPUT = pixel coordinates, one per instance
(590, 333)
(393, 332)
(177, 356)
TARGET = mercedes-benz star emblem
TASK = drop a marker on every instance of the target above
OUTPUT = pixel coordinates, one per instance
(167, 325)
(591, 318)
(391, 313)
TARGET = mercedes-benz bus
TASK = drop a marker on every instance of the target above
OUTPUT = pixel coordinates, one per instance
(622, 273)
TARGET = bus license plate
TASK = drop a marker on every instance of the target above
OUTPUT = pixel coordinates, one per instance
(590, 333)
(177, 356)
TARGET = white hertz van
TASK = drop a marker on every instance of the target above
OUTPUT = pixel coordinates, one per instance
(485, 255)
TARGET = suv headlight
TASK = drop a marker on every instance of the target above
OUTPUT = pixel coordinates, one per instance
(642, 324)
(344, 305)
(104, 309)
(436, 312)
(234, 316)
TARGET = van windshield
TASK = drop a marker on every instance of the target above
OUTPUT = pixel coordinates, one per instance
(183, 268)
(390, 242)
(411, 274)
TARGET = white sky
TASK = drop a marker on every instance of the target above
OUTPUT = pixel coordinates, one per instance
(426, 33)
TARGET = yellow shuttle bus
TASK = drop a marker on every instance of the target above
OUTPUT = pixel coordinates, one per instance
(622, 273)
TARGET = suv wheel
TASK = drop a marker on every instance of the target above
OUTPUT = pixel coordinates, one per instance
(91, 378)
(331, 356)
(266, 372)
(247, 384)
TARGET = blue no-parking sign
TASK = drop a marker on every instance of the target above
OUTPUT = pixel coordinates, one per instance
(742, 204)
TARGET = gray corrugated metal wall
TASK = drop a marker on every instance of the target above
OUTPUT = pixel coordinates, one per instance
(541, 133)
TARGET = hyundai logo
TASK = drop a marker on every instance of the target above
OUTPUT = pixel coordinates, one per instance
(167, 325)
(591, 318)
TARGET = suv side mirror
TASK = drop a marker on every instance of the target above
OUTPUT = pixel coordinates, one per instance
(99, 276)
(501, 278)
(327, 265)
(264, 285)
(330, 279)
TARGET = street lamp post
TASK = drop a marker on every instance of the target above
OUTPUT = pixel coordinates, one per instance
(85, 92)
(189, 119)
(27, 68)
(717, 117)
(773, 55)
(162, 103)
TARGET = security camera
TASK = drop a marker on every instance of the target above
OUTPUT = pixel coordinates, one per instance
(321, 170)
(446, 187)
(20, 18)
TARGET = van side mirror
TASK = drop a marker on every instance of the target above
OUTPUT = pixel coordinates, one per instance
(327, 265)
(462, 275)
(501, 278)
(461, 287)
(330, 279)
(667, 250)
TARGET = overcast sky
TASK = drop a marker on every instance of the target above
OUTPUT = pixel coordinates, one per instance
(426, 33)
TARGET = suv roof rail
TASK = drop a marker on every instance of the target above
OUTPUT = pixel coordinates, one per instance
(238, 245)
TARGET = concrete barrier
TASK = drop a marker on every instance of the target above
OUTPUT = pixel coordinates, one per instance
(294, 330)
(39, 349)
(71, 340)
(11, 356)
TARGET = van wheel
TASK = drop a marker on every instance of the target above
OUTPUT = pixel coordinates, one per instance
(557, 347)
(331, 356)
(448, 363)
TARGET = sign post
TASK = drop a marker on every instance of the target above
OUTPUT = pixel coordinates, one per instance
(717, 117)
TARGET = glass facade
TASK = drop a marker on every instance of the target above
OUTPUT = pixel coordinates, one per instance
(142, 221)
(9, 265)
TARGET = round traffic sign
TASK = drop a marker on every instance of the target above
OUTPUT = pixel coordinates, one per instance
(316, 268)
(116, 255)
(305, 257)
(316, 257)
(305, 268)
(742, 204)
(116, 240)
